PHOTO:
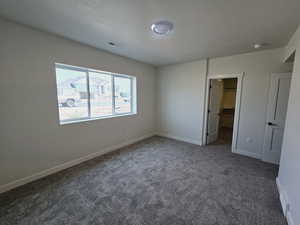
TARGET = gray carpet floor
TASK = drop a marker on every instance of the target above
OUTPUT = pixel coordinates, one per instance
(156, 181)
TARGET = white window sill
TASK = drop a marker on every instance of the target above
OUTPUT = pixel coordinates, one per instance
(96, 118)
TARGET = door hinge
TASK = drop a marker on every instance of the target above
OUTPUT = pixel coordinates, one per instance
(206, 134)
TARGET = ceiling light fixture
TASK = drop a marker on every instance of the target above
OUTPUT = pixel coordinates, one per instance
(162, 27)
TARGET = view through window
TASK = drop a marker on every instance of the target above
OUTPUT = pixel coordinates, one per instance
(89, 94)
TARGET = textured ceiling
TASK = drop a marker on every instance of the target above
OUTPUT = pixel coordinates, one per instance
(203, 28)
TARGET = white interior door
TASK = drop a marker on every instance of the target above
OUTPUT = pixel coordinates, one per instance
(214, 105)
(277, 107)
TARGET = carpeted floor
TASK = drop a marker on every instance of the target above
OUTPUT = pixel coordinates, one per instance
(156, 181)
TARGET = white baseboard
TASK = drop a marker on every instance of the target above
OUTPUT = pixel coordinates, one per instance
(44, 173)
(247, 153)
(184, 139)
(289, 218)
(284, 202)
(282, 197)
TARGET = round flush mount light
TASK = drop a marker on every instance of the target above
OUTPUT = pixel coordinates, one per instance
(162, 27)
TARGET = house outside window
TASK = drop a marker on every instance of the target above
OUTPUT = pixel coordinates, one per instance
(87, 94)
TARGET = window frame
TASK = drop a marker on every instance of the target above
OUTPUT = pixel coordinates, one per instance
(133, 94)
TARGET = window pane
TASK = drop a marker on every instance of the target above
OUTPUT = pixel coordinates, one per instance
(122, 94)
(100, 94)
(71, 94)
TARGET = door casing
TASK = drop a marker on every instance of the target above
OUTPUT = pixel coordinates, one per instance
(239, 77)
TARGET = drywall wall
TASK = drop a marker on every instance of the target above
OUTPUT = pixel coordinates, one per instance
(229, 93)
(257, 67)
(181, 96)
(288, 179)
(290, 48)
(30, 135)
(228, 101)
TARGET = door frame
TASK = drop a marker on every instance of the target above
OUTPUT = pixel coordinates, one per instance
(269, 108)
(240, 77)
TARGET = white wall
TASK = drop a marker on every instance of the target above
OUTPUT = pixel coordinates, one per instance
(181, 91)
(30, 135)
(289, 178)
(180, 101)
(257, 68)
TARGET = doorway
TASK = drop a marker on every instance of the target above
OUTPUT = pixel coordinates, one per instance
(227, 110)
(221, 115)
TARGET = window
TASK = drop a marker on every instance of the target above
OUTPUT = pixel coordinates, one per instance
(85, 94)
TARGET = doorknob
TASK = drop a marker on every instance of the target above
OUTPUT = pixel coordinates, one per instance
(271, 124)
